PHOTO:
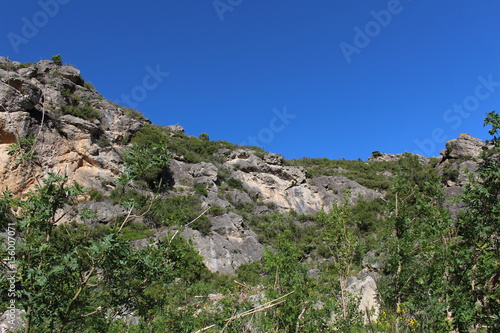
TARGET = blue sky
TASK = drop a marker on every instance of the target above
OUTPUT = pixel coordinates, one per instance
(317, 78)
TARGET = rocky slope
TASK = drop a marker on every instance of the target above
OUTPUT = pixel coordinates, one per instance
(61, 124)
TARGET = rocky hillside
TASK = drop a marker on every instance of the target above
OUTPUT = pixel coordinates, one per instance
(229, 201)
(71, 130)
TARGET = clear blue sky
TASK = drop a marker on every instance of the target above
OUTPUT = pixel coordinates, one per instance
(321, 78)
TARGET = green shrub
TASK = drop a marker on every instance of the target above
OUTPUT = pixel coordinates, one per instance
(177, 211)
(23, 149)
(450, 174)
(250, 273)
(365, 173)
(95, 195)
(203, 225)
(135, 230)
(57, 59)
(235, 183)
(103, 141)
(128, 198)
(134, 114)
(89, 86)
(84, 111)
(217, 210)
(376, 153)
(150, 134)
(204, 137)
(195, 150)
(201, 190)
(145, 163)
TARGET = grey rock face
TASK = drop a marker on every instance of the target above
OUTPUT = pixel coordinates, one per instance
(12, 320)
(288, 187)
(228, 246)
(203, 173)
(365, 288)
(464, 145)
(176, 129)
(273, 159)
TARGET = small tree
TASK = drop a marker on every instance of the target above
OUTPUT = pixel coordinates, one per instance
(68, 277)
(204, 137)
(57, 60)
(145, 163)
(477, 251)
(340, 239)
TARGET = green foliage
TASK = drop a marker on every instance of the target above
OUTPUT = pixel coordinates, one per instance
(450, 174)
(103, 141)
(134, 114)
(474, 301)
(217, 210)
(66, 282)
(204, 137)
(135, 231)
(367, 215)
(150, 134)
(147, 163)
(179, 211)
(365, 173)
(9, 66)
(129, 198)
(23, 150)
(89, 86)
(493, 119)
(95, 195)
(195, 150)
(376, 153)
(201, 189)
(235, 183)
(84, 111)
(419, 246)
(57, 59)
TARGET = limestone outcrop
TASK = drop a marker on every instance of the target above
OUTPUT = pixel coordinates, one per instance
(85, 150)
(464, 145)
(289, 187)
(51, 120)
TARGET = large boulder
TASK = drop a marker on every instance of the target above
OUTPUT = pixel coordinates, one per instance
(464, 145)
(367, 290)
(288, 187)
(12, 320)
(228, 246)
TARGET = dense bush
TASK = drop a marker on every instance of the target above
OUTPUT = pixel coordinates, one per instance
(146, 162)
(179, 211)
(368, 174)
(57, 59)
(235, 183)
(84, 111)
